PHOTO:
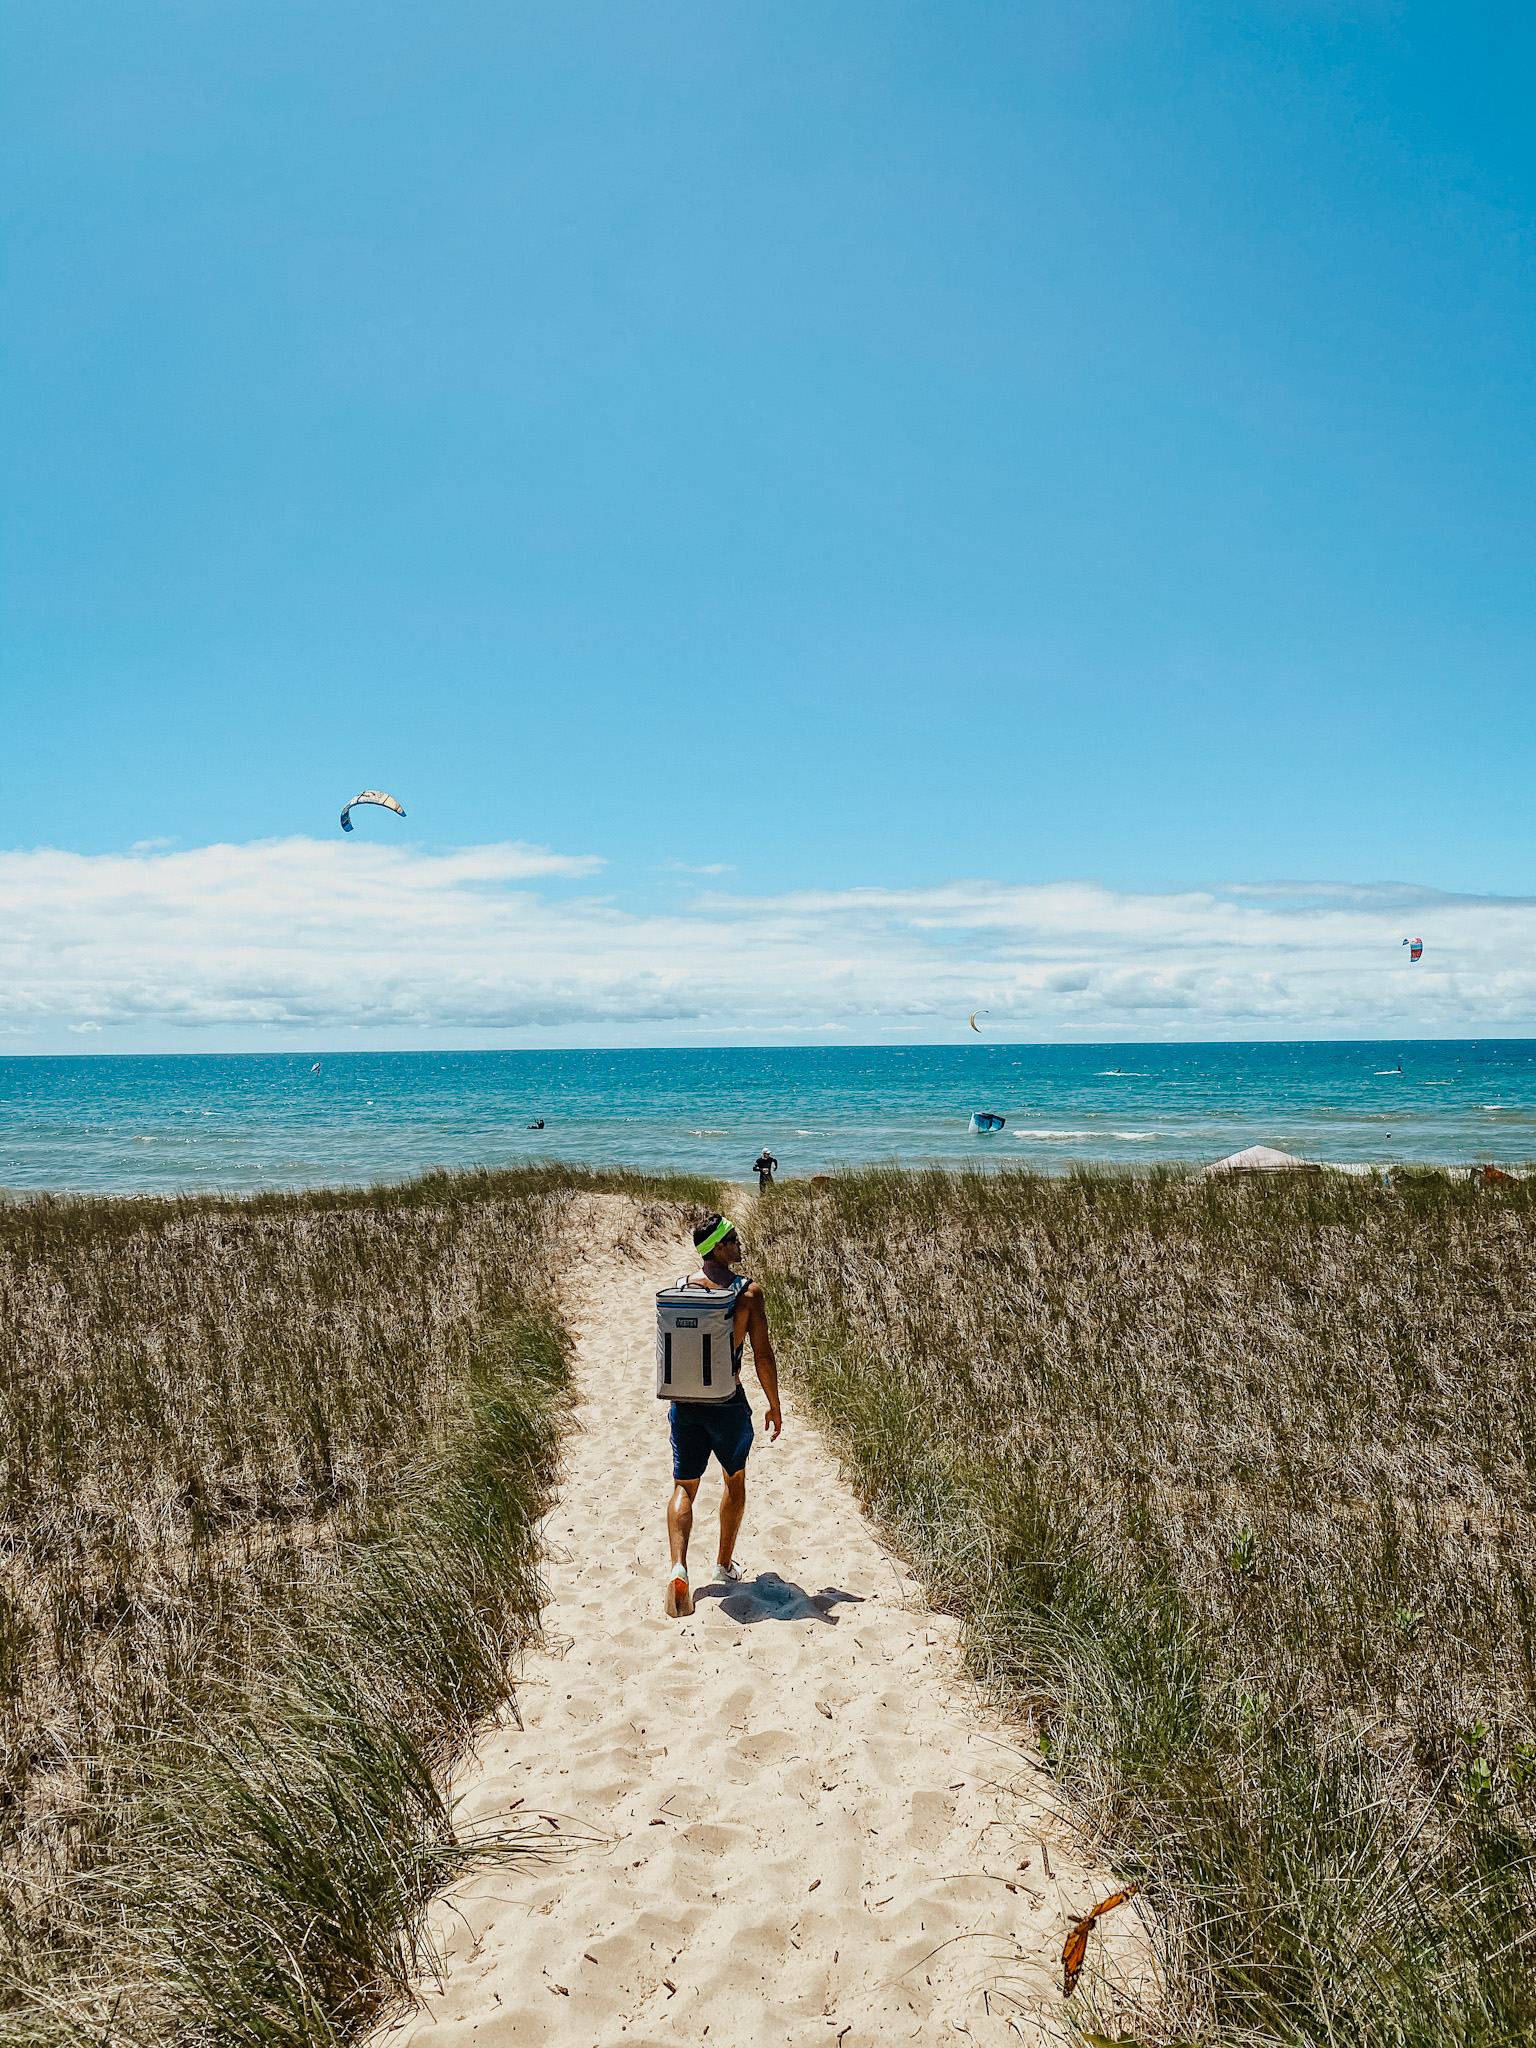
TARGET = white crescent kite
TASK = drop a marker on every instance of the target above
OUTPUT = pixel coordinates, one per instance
(371, 796)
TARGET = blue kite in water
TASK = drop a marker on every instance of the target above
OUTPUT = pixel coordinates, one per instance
(371, 796)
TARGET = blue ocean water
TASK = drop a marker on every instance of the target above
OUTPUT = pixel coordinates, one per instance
(243, 1121)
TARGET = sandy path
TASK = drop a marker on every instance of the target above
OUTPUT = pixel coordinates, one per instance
(783, 1820)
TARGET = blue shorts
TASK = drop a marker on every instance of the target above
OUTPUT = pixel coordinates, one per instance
(699, 1427)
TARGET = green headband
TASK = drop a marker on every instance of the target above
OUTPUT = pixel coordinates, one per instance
(717, 1236)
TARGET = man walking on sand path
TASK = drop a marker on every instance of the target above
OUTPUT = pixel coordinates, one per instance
(723, 1427)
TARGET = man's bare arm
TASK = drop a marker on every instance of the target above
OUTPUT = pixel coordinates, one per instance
(763, 1358)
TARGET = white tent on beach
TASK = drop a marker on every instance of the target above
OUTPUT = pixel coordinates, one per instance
(1261, 1159)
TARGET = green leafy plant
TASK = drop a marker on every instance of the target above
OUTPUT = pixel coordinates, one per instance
(1253, 1712)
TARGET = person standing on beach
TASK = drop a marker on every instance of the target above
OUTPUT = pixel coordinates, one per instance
(723, 1428)
(763, 1166)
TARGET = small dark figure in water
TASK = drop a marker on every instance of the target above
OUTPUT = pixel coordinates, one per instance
(536, 1126)
(763, 1166)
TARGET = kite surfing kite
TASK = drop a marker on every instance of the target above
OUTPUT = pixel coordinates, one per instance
(371, 796)
(1415, 948)
(978, 1013)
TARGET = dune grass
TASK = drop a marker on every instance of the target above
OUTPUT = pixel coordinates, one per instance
(272, 1473)
(1232, 1483)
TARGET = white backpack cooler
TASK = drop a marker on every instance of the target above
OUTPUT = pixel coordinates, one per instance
(693, 1341)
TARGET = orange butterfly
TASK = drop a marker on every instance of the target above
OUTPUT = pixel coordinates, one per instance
(1077, 1941)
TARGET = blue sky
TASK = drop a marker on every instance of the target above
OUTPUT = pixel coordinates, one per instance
(852, 447)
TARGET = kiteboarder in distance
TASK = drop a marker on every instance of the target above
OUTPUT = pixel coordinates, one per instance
(370, 796)
(763, 1166)
(536, 1125)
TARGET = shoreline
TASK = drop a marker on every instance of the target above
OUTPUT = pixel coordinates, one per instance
(1176, 1168)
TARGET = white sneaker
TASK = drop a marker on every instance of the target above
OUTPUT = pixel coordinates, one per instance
(728, 1575)
(679, 1593)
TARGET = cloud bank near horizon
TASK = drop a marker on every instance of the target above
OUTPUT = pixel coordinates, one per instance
(298, 940)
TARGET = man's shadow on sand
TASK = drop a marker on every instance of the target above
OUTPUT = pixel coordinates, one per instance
(770, 1598)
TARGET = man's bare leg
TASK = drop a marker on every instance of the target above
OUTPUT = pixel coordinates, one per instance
(679, 1529)
(733, 1505)
(680, 1518)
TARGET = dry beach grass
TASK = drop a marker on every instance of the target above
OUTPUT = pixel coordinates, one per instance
(272, 1470)
(1232, 1485)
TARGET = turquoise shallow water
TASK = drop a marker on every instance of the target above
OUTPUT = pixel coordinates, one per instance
(246, 1121)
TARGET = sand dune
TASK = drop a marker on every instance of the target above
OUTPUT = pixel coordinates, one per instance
(786, 1819)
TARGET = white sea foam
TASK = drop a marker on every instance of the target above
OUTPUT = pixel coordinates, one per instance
(1055, 1136)
(1135, 1134)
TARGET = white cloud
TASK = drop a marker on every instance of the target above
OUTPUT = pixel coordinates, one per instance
(293, 940)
